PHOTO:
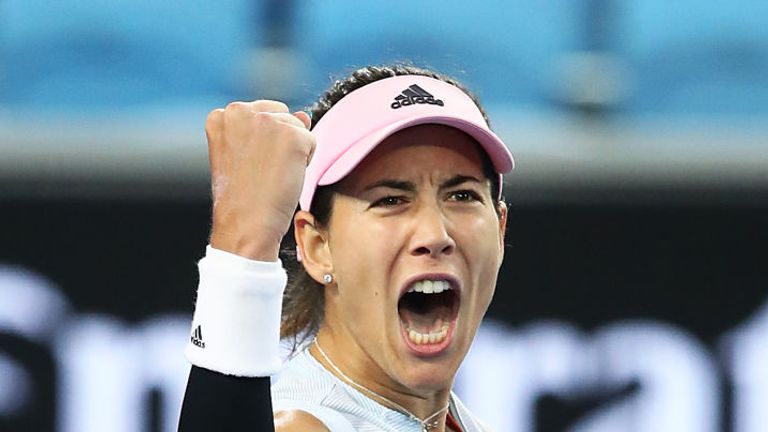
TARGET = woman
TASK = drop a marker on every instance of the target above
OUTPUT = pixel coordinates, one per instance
(400, 236)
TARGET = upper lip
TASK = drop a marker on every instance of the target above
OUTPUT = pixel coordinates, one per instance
(451, 279)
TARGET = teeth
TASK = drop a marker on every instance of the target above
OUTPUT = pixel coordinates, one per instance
(428, 338)
(430, 287)
(427, 286)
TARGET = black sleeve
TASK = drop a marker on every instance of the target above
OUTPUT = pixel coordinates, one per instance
(217, 402)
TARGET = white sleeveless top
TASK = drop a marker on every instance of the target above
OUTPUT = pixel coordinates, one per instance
(304, 384)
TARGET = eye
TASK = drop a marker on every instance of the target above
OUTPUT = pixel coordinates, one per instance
(388, 201)
(465, 196)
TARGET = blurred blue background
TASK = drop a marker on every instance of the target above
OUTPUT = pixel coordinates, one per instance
(640, 129)
(645, 90)
(641, 57)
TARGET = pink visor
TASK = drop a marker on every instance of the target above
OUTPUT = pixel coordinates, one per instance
(357, 123)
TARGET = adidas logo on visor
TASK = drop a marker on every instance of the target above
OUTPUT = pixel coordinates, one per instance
(414, 95)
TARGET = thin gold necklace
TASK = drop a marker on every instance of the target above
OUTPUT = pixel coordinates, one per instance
(426, 425)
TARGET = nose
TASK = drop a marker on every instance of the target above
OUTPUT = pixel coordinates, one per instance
(431, 235)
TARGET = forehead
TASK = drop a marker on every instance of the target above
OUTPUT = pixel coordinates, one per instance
(419, 149)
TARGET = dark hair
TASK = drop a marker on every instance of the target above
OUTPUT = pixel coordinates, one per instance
(303, 301)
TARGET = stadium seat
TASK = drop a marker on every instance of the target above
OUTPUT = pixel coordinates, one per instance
(82, 54)
(505, 50)
(692, 57)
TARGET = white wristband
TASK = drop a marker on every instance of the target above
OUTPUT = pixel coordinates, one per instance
(236, 325)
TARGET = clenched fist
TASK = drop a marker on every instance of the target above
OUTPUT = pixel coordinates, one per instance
(258, 153)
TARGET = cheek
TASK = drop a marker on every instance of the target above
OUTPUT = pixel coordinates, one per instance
(480, 244)
(363, 254)
(367, 243)
(480, 238)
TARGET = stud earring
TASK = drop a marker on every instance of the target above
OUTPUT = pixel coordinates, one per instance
(327, 278)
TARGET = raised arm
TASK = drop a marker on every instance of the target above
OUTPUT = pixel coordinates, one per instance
(258, 152)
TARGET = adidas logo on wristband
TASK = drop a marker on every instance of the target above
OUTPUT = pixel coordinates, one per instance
(414, 95)
(197, 337)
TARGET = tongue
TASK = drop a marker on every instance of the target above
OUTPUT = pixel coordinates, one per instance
(424, 313)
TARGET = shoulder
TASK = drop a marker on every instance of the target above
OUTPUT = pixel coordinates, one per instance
(301, 379)
(298, 421)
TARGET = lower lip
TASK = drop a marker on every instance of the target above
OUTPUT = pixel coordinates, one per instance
(428, 350)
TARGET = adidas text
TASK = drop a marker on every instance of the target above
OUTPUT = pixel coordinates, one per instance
(197, 337)
(414, 95)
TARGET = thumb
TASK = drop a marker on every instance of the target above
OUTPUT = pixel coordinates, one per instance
(304, 117)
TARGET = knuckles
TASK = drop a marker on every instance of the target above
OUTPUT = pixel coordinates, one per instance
(258, 106)
(214, 121)
(261, 121)
(266, 105)
(262, 118)
(236, 107)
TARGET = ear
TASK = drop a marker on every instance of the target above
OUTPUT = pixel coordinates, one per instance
(502, 225)
(312, 245)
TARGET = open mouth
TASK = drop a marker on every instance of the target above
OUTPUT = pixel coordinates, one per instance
(427, 312)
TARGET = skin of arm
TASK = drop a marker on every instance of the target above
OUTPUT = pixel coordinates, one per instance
(258, 152)
(297, 421)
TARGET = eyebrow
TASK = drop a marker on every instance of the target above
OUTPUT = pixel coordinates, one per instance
(392, 184)
(411, 187)
(459, 179)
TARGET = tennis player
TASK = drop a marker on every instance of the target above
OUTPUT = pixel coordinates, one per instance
(400, 235)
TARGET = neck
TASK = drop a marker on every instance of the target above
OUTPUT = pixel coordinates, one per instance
(365, 375)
